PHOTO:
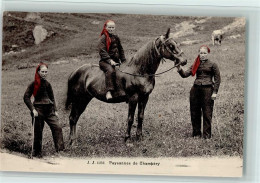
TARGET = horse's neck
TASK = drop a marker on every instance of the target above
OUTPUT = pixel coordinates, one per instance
(145, 61)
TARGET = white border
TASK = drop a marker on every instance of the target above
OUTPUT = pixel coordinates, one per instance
(247, 8)
(240, 3)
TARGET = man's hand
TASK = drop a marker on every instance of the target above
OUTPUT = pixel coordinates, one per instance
(214, 96)
(56, 114)
(178, 67)
(112, 62)
(35, 113)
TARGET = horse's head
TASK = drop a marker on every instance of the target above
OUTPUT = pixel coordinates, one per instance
(169, 49)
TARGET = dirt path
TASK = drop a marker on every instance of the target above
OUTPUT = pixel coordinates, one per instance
(213, 166)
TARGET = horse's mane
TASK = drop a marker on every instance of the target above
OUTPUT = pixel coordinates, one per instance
(143, 56)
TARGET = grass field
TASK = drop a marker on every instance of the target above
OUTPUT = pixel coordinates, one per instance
(101, 128)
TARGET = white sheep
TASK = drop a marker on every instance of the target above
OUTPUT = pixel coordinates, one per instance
(217, 35)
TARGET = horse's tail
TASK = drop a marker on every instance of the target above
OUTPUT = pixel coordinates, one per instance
(69, 93)
(76, 84)
(72, 81)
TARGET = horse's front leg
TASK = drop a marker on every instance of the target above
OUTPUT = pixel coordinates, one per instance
(131, 112)
(141, 107)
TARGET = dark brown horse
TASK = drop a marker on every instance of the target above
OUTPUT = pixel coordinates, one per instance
(134, 82)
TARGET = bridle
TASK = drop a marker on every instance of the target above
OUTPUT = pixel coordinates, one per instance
(159, 51)
(173, 53)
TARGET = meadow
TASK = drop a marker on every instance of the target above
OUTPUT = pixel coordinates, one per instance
(101, 128)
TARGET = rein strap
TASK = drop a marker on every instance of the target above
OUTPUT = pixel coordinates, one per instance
(144, 75)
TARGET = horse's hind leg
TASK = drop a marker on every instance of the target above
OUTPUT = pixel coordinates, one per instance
(131, 112)
(78, 108)
(141, 107)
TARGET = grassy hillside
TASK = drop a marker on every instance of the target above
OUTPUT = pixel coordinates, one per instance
(75, 34)
(167, 126)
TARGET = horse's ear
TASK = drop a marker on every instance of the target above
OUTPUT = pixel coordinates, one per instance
(167, 33)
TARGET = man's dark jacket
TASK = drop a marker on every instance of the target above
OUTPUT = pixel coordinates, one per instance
(206, 71)
(115, 52)
(43, 96)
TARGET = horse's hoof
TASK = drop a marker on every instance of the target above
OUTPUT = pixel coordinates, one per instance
(129, 144)
(126, 138)
(73, 143)
(70, 143)
(139, 137)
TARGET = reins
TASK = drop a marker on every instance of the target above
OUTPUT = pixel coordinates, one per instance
(157, 51)
(144, 75)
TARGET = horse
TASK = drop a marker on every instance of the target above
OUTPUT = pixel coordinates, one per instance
(134, 82)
